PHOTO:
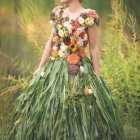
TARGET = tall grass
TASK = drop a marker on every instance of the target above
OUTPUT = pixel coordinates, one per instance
(120, 64)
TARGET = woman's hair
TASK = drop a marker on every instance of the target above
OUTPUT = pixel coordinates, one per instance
(80, 1)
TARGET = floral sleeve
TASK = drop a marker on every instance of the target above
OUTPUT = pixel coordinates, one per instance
(92, 18)
(54, 15)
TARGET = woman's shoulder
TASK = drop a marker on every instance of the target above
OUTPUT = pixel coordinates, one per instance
(91, 16)
(57, 8)
(91, 12)
(55, 12)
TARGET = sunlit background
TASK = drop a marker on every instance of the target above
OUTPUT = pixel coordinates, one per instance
(24, 30)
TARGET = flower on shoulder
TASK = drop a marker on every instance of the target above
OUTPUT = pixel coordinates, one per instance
(89, 21)
(92, 14)
(73, 59)
(57, 9)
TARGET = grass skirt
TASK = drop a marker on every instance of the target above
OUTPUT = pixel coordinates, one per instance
(54, 106)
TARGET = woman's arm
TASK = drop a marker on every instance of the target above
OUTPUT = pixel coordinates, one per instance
(94, 48)
(46, 52)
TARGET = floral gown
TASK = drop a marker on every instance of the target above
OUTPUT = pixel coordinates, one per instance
(66, 100)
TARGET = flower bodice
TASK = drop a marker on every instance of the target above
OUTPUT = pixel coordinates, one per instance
(70, 36)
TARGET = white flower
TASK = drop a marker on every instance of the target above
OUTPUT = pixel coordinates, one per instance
(70, 31)
(55, 48)
(60, 53)
(81, 20)
(66, 24)
(69, 27)
(89, 90)
(88, 10)
(63, 47)
(59, 26)
(54, 31)
(79, 30)
(52, 58)
(57, 9)
(85, 37)
(81, 68)
(51, 22)
(61, 33)
(80, 42)
(42, 74)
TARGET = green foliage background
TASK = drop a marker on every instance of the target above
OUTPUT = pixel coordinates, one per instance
(25, 30)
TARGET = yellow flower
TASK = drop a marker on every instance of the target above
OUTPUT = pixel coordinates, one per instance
(87, 91)
(54, 53)
(73, 46)
(89, 21)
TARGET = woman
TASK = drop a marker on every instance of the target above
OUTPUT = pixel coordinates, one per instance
(68, 99)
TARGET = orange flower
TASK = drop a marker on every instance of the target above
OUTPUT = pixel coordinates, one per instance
(82, 52)
(74, 48)
(54, 53)
(73, 45)
(73, 59)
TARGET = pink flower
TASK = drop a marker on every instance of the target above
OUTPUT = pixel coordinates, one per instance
(92, 14)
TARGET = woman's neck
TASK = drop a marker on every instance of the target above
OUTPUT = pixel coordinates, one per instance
(74, 5)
